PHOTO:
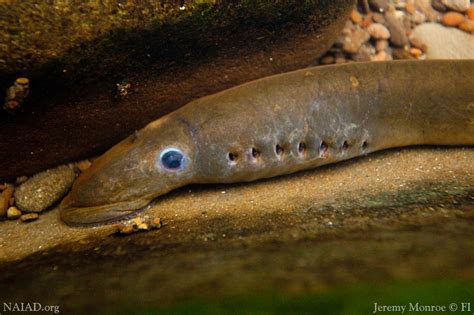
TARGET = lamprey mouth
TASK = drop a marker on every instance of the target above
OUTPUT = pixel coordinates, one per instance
(101, 214)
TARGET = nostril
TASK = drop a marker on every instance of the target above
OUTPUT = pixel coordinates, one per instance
(364, 145)
(323, 147)
(278, 149)
(232, 156)
(345, 145)
(301, 147)
(255, 153)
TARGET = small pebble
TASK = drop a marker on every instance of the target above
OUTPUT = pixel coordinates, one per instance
(16, 95)
(29, 217)
(122, 89)
(378, 31)
(452, 19)
(355, 16)
(13, 213)
(415, 52)
(84, 165)
(355, 40)
(467, 26)
(136, 224)
(470, 12)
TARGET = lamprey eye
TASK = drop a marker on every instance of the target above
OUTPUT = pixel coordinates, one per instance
(172, 159)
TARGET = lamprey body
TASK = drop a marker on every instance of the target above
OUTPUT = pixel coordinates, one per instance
(280, 125)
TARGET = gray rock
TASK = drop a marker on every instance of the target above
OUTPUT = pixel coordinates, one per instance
(44, 189)
(457, 5)
(425, 7)
(355, 40)
(396, 28)
(444, 42)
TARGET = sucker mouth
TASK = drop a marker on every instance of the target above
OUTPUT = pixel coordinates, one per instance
(102, 214)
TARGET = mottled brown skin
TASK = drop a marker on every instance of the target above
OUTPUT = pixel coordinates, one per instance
(279, 125)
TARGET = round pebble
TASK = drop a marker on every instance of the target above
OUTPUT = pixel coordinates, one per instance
(378, 31)
(84, 165)
(13, 213)
(356, 17)
(44, 189)
(452, 19)
(467, 26)
(415, 52)
(470, 13)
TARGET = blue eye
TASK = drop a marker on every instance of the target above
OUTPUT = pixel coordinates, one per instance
(172, 159)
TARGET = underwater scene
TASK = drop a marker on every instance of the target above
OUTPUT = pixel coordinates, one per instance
(237, 157)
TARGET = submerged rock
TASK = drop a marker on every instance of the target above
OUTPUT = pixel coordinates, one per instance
(44, 189)
(444, 42)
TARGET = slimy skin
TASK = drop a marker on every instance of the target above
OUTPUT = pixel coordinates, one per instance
(280, 125)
